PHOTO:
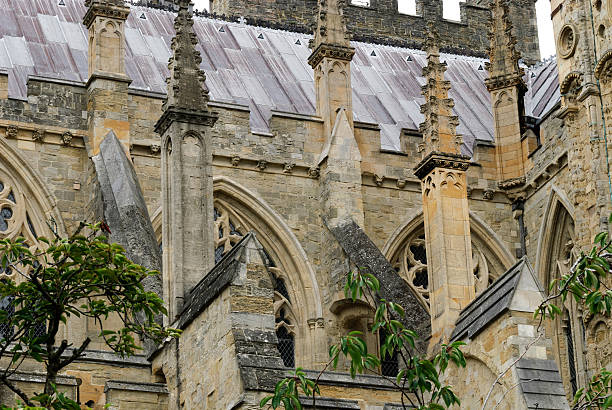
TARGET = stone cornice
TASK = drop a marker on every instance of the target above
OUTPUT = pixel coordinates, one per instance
(325, 50)
(104, 9)
(511, 183)
(436, 159)
(173, 114)
(505, 81)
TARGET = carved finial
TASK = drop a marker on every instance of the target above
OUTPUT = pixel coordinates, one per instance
(331, 24)
(186, 84)
(331, 33)
(439, 126)
(504, 59)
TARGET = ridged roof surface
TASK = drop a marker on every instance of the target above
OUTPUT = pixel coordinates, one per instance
(263, 68)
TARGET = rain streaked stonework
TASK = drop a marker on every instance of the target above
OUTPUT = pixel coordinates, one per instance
(258, 154)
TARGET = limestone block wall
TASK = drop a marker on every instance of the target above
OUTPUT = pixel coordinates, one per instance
(491, 352)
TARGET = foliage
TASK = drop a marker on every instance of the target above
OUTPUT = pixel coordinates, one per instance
(80, 276)
(588, 283)
(418, 380)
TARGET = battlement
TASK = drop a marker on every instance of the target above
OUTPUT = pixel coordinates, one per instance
(382, 23)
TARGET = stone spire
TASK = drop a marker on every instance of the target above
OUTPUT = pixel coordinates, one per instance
(186, 84)
(446, 216)
(187, 177)
(439, 126)
(504, 59)
(331, 24)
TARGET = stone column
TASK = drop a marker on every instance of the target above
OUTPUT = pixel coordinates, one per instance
(107, 87)
(187, 181)
(445, 204)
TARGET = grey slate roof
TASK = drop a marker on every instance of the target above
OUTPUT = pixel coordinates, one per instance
(270, 73)
(541, 384)
(491, 303)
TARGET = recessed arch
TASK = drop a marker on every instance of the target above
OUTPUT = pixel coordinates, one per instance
(405, 249)
(557, 201)
(555, 255)
(248, 212)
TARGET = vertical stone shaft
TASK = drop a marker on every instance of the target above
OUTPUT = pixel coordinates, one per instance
(445, 204)
(507, 89)
(107, 87)
(331, 61)
(187, 193)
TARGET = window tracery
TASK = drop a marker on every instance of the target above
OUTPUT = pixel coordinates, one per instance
(15, 222)
(411, 263)
(231, 229)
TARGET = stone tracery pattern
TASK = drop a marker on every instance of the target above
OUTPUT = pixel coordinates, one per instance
(411, 263)
(14, 218)
(231, 229)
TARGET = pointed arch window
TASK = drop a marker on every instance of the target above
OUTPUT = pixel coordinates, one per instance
(15, 222)
(410, 261)
(230, 229)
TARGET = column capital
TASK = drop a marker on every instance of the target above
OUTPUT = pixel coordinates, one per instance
(434, 159)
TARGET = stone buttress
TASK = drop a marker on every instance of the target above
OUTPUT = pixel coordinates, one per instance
(186, 153)
(107, 87)
(445, 205)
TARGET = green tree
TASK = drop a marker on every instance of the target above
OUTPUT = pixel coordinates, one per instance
(418, 380)
(80, 276)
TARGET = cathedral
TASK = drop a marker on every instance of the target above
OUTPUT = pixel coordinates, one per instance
(256, 154)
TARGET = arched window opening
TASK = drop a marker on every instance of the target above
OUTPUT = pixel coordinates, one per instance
(389, 364)
(6, 304)
(230, 230)
(410, 261)
(569, 340)
(15, 221)
(557, 257)
(286, 342)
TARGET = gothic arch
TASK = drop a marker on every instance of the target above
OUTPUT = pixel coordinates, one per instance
(34, 204)
(557, 202)
(405, 249)
(247, 212)
(555, 256)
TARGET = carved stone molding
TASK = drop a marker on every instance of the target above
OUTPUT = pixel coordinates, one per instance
(511, 183)
(488, 194)
(11, 131)
(38, 135)
(441, 160)
(235, 160)
(262, 164)
(66, 138)
(330, 51)
(603, 70)
(567, 41)
(288, 167)
(314, 172)
(155, 148)
(379, 179)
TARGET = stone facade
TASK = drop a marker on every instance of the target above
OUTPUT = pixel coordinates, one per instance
(322, 198)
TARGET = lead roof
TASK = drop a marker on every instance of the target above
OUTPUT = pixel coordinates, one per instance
(264, 69)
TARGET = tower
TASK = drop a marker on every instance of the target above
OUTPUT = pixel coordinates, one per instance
(187, 194)
(445, 204)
